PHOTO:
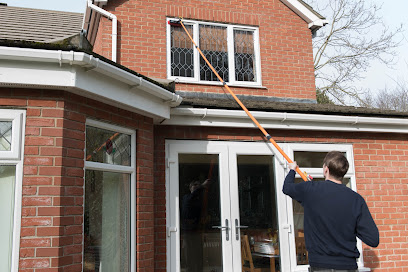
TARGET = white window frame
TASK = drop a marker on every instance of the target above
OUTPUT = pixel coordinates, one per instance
(15, 157)
(16, 118)
(318, 173)
(231, 60)
(120, 169)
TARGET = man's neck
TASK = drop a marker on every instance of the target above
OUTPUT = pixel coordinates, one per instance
(334, 180)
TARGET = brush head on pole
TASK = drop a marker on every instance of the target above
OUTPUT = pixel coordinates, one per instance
(174, 22)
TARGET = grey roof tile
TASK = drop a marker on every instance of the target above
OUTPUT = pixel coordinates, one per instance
(38, 25)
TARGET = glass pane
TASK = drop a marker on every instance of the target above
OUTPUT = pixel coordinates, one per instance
(310, 159)
(200, 243)
(213, 44)
(244, 55)
(7, 181)
(5, 135)
(298, 220)
(107, 146)
(107, 221)
(258, 213)
(182, 52)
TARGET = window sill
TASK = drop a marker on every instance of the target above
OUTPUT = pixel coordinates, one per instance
(306, 269)
(217, 83)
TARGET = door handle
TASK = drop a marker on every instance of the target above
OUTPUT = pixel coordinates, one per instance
(237, 229)
(226, 227)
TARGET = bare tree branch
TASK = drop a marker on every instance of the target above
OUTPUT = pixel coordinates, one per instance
(344, 50)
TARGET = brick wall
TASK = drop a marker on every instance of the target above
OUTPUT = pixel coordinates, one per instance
(285, 41)
(53, 183)
(381, 164)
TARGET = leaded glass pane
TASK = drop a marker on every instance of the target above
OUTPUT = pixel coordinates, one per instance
(106, 146)
(244, 55)
(213, 44)
(5, 135)
(182, 52)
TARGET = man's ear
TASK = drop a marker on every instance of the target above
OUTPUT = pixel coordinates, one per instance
(326, 171)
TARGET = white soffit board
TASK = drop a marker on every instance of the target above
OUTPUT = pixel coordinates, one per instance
(87, 76)
(288, 121)
(314, 21)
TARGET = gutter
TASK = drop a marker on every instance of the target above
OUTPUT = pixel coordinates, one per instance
(283, 120)
(114, 26)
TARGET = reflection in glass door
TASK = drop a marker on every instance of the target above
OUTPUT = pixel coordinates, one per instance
(258, 213)
(200, 216)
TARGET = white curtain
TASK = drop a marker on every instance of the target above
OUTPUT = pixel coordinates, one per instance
(7, 184)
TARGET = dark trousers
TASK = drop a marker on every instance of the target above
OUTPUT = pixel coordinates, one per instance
(318, 269)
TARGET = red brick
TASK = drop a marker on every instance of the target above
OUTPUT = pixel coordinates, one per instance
(57, 190)
(42, 103)
(36, 201)
(61, 261)
(40, 122)
(50, 231)
(39, 141)
(12, 102)
(62, 241)
(36, 221)
(35, 242)
(35, 263)
(37, 181)
(52, 211)
(53, 113)
(38, 161)
(50, 171)
(48, 252)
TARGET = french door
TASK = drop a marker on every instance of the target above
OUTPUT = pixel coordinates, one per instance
(225, 207)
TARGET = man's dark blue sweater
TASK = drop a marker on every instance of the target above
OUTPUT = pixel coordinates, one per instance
(334, 216)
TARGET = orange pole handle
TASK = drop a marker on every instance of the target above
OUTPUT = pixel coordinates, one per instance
(304, 177)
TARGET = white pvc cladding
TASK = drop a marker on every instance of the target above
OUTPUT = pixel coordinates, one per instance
(286, 121)
(87, 76)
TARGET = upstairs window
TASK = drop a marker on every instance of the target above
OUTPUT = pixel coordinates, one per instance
(232, 50)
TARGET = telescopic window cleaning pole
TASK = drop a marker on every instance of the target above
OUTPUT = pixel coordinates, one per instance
(180, 23)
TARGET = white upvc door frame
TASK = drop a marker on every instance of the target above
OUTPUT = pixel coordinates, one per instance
(259, 148)
(227, 152)
(173, 148)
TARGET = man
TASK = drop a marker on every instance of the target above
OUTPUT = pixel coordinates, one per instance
(334, 216)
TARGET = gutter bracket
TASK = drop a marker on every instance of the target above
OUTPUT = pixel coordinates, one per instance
(285, 116)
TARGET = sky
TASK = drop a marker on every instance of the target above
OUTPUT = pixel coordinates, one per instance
(378, 76)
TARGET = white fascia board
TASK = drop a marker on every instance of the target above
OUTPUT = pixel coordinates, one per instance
(304, 13)
(84, 75)
(287, 121)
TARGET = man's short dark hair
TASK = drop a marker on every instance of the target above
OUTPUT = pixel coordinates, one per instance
(337, 163)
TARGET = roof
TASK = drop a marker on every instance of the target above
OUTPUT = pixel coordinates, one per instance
(309, 7)
(38, 25)
(254, 103)
(307, 13)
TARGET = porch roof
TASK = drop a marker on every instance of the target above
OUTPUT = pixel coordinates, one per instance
(266, 104)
